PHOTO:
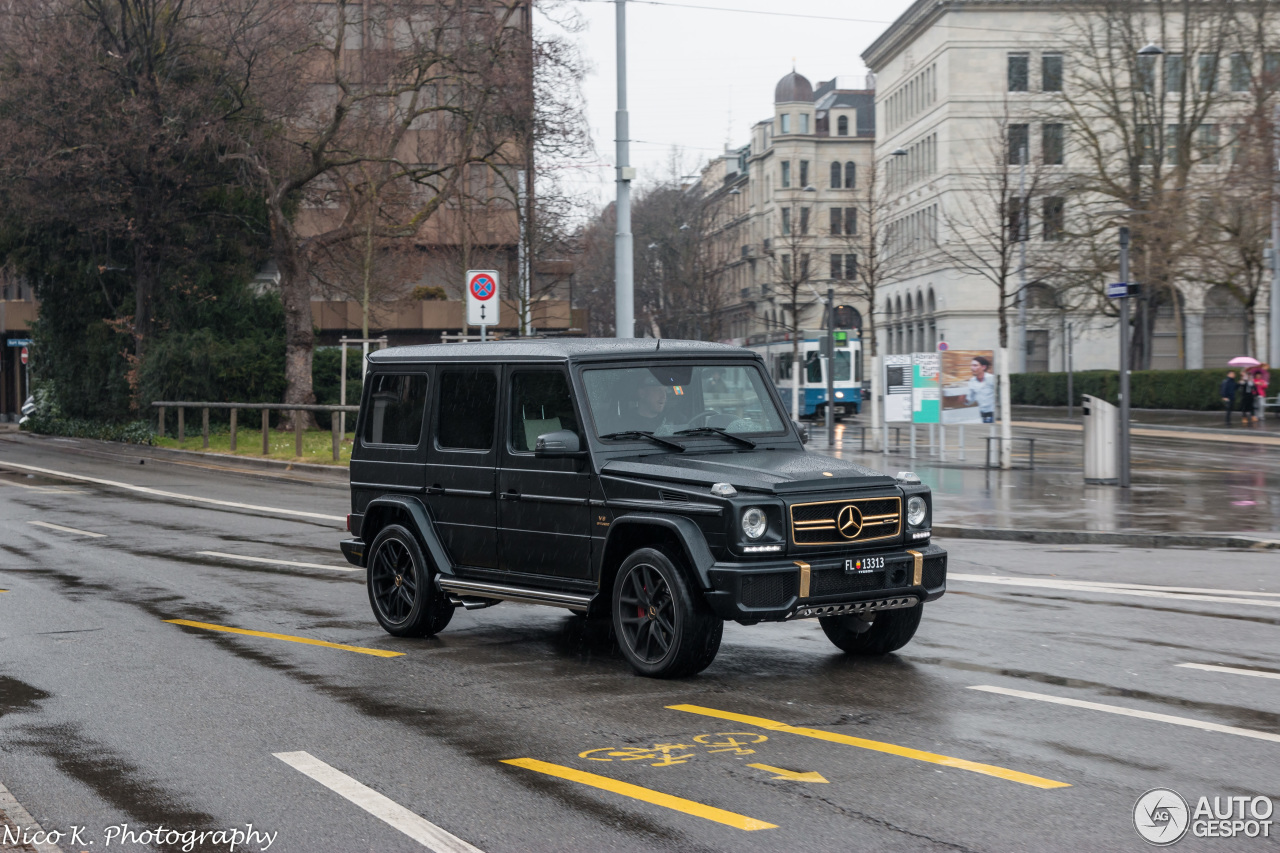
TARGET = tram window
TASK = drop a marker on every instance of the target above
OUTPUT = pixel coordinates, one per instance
(842, 366)
(813, 367)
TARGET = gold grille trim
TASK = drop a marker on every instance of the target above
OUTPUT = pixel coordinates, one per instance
(844, 522)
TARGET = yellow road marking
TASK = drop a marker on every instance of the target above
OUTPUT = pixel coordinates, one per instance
(381, 653)
(791, 775)
(877, 746)
(647, 795)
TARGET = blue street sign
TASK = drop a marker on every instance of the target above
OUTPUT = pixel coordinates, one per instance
(1122, 290)
(19, 342)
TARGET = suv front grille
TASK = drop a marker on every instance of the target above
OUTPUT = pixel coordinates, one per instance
(828, 523)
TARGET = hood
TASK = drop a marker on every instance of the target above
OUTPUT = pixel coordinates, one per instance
(776, 471)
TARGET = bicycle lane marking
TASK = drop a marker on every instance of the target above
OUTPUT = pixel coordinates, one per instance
(383, 808)
(878, 746)
(647, 795)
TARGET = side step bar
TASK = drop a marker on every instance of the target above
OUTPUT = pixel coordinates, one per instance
(524, 595)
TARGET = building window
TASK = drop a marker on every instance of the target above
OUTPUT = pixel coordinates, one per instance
(1175, 73)
(835, 176)
(1271, 66)
(1239, 72)
(1017, 221)
(785, 261)
(786, 221)
(1146, 142)
(1207, 143)
(1019, 64)
(850, 175)
(1054, 217)
(786, 173)
(837, 266)
(842, 126)
(1052, 144)
(850, 220)
(837, 221)
(804, 122)
(1051, 72)
(804, 173)
(1147, 73)
(1173, 150)
(851, 267)
(1208, 71)
(803, 271)
(1019, 140)
(804, 220)
(784, 123)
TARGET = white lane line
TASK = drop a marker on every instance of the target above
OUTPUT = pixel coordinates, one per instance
(1131, 712)
(268, 510)
(67, 529)
(277, 562)
(419, 829)
(1208, 667)
(1084, 586)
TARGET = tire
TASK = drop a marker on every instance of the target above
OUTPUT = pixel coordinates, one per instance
(662, 629)
(888, 632)
(401, 588)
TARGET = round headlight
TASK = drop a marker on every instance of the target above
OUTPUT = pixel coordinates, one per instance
(916, 511)
(754, 522)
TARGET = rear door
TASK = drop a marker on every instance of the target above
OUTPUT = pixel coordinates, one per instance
(544, 522)
(389, 455)
(460, 476)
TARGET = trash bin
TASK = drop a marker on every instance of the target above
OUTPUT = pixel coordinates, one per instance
(1101, 463)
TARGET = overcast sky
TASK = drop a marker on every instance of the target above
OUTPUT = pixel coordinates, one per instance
(699, 78)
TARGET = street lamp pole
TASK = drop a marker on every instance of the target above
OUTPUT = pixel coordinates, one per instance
(1123, 445)
(623, 262)
(1275, 244)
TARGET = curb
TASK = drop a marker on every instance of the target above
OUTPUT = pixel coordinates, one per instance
(22, 818)
(272, 468)
(1105, 537)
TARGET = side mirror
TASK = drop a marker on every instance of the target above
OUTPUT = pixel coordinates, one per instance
(562, 442)
(803, 432)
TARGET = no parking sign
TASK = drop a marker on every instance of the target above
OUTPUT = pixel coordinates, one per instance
(482, 297)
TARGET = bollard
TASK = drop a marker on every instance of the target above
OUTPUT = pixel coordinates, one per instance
(266, 431)
(233, 430)
(182, 426)
(297, 434)
(335, 428)
(160, 429)
(204, 426)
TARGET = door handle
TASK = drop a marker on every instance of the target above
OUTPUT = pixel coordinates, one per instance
(435, 489)
(511, 495)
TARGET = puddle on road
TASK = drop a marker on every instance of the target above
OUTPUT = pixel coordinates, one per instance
(17, 695)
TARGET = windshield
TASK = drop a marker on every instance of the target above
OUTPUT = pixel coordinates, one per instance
(665, 399)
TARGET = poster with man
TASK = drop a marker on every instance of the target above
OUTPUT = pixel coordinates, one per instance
(968, 387)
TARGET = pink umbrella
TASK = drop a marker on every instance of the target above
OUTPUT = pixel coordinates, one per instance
(1244, 361)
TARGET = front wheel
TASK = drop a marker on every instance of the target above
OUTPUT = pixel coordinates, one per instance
(662, 629)
(888, 631)
(401, 592)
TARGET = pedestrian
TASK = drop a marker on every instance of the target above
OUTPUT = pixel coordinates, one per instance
(1248, 398)
(1228, 393)
(1262, 379)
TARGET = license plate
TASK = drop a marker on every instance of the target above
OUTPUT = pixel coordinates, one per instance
(866, 564)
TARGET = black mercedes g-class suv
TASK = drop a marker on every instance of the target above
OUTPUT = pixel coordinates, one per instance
(659, 483)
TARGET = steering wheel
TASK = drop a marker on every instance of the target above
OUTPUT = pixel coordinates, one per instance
(703, 418)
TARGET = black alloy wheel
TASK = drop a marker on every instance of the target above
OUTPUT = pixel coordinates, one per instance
(404, 599)
(886, 631)
(662, 630)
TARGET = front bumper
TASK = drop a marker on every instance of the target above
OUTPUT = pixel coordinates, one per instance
(777, 591)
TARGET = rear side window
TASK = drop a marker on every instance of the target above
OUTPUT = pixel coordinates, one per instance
(468, 399)
(397, 404)
(540, 403)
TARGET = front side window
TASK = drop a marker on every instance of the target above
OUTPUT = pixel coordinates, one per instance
(540, 403)
(396, 407)
(468, 401)
(1019, 75)
(665, 399)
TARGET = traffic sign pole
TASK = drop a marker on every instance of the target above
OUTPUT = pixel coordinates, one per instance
(1122, 446)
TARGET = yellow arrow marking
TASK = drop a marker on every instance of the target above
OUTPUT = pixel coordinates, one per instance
(791, 775)
(877, 746)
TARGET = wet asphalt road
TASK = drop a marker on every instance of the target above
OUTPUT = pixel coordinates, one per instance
(110, 715)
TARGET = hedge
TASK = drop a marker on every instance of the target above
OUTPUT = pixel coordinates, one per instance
(1149, 389)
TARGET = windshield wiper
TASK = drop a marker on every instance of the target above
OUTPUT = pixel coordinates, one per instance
(718, 431)
(633, 433)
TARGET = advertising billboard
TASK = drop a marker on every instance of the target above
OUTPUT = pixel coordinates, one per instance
(968, 386)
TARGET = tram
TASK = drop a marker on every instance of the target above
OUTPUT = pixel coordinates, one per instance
(777, 353)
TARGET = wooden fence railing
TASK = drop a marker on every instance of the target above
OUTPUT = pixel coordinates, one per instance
(265, 408)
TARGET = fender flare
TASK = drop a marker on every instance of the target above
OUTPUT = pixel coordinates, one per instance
(425, 529)
(689, 535)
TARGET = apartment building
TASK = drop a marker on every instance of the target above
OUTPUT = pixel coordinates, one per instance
(968, 87)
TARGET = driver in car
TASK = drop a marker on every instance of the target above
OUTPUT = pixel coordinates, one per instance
(651, 401)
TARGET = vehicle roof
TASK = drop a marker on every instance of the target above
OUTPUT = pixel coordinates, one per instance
(567, 349)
